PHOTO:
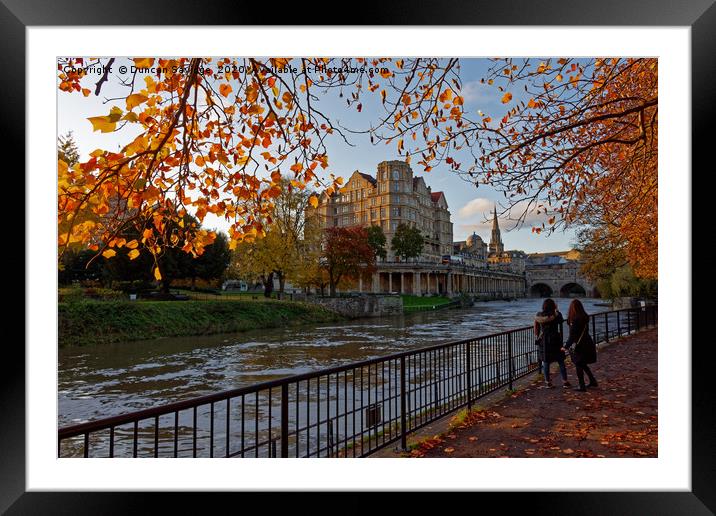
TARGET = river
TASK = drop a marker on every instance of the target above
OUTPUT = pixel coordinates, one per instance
(105, 380)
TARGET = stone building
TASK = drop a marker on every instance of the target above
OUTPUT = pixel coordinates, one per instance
(473, 250)
(498, 258)
(477, 253)
(393, 197)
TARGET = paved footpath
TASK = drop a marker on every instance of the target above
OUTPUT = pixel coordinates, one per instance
(617, 419)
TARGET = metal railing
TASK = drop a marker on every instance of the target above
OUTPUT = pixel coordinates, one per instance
(346, 411)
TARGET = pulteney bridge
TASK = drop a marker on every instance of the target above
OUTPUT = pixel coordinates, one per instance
(557, 277)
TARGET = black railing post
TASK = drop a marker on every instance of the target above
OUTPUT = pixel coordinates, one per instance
(284, 420)
(619, 326)
(606, 326)
(468, 367)
(403, 415)
(637, 311)
(594, 328)
(510, 367)
(628, 313)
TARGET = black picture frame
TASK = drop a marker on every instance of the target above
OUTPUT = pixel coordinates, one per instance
(700, 15)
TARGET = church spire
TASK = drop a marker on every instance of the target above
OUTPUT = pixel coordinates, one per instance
(496, 245)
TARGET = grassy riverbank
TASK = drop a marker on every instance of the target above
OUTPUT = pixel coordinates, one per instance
(422, 303)
(100, 322)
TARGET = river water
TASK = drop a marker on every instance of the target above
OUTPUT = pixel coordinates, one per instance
(106, 380)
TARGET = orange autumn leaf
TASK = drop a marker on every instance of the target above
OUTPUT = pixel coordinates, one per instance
(143, 62)
(506, 97)
(225, 89)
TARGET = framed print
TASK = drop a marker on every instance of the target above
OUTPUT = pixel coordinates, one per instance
(339, 254)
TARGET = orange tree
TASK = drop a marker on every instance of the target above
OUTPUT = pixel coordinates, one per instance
(577, 143)
(346, 254)
(215, 135)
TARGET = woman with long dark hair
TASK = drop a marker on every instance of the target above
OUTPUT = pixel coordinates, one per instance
(549, 339)
(585, 351)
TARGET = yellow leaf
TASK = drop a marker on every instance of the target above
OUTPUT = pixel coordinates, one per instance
(132, 244)
(157, 274)
(506, 97)
(109, 253)
(313, 201)
(143, 62)
(102, 123)
(135, 99)
(133, 254)
(85, 92)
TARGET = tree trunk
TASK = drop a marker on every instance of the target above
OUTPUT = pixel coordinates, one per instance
(281, 283)
(268, 284)
(193, 283)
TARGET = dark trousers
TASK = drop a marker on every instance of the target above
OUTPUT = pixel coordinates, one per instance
(581, 369)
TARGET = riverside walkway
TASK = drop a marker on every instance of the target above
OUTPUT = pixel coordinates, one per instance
(617, 419)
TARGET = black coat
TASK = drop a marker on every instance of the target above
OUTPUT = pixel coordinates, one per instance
(549, 336)
(585, 351)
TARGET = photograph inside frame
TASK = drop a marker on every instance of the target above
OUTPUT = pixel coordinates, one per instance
(357, 257)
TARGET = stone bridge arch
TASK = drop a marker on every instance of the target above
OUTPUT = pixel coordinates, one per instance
(573, 289)
(541, 290)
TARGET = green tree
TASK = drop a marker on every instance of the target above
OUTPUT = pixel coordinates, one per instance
(212, 263)
(67, 149)
(377, 240)
(407, 242)
(624, 283)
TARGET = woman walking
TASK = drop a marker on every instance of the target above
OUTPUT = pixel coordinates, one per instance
(585, 351)
(549, 339)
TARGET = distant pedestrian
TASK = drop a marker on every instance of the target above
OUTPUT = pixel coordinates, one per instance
(585, 351)
(549, 339)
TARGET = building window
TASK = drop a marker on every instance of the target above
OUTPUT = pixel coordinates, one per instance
(397, 199)
(393, 226)
(372, 201)
(382, 212)
(396, 174)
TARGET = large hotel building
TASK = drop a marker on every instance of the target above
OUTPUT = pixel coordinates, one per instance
(391, 198)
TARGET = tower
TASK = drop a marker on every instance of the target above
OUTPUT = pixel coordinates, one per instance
(496, 245)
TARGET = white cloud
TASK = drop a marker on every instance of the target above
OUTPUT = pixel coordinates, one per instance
(479, 206)
(475, 91)
(476, 215)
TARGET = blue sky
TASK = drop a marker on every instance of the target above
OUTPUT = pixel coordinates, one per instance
(470, 207)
